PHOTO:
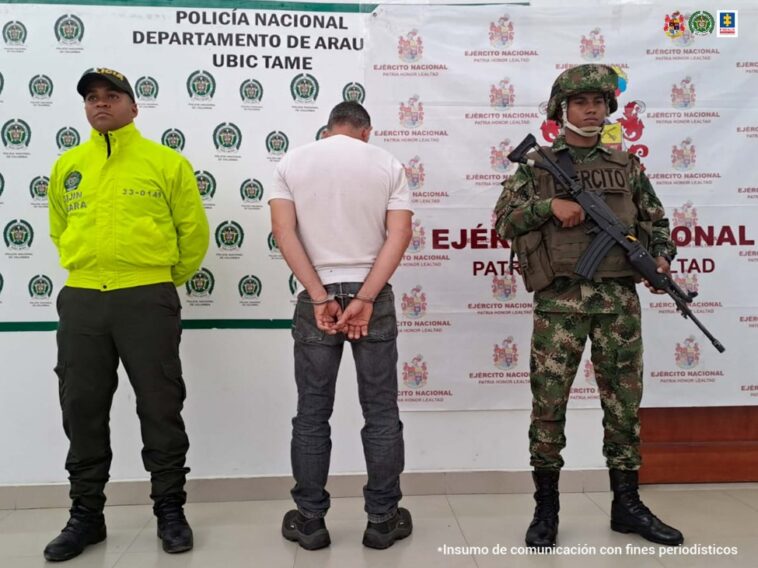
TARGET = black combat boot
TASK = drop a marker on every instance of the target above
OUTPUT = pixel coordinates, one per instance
(383, 535)
(629, 514)
(543, 529)
(173, 528)
(311, 534)
(85, 526)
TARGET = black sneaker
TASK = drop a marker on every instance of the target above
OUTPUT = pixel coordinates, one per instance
(311, 534)
(173, 528)
(383, 535)
(85, 526)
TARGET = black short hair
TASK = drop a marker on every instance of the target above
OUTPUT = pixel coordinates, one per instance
(349, 112)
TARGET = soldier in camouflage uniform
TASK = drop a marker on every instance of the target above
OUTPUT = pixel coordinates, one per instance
(549, 236)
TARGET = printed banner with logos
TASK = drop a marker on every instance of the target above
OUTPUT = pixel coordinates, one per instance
(451, 91)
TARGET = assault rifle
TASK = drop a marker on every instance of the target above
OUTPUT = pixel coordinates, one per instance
(609, 231)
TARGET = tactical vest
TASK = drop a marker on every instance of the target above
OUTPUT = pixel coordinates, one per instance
(553, 251)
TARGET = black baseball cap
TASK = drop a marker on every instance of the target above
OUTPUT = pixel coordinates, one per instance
(118, 80)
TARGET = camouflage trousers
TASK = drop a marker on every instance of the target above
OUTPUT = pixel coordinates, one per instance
(557, 344)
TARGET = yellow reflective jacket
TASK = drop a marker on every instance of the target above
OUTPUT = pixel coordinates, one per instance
(125, 212)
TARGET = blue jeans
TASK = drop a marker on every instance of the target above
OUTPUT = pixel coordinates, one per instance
(317, 360)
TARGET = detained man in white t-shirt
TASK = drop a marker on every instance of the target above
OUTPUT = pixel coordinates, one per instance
(341, 216)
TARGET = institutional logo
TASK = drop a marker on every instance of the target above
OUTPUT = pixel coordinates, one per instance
(251, 191)
(69, 30)
(683, 156)
(227, 137)
(411, 47)
(505, 355)
(201, 86)
(292, 284)
(201, 284)
(251, 91)
(501, 32)
(414, 172)
(16, 134)
(18, 235)
(206, 184)
(702, 23)
(592, 46)
(418, 237)
(631, 124)
(414, 305)
(40, 287)
(683, 94)
(504, 289)
(67, 138)
(174, 139)
(589, 373)
(14, 33)
(687, 353)
(2, 83)
(2, 283)
(249, 287)
(502, 95)
(354, 92)
(321, 131)
(271, 242)
(412, 114)
(229, 236)
(304, 88)
(675, 25)
(38, 188)
(2, 184)
(72, 181)
(499, 157)
(277, 143)
(415, 373)
(688, 282)
(41, 87)
(727, 23)
(146, 89)
(685, 216)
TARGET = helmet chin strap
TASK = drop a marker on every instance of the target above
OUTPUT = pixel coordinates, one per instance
(587, 132)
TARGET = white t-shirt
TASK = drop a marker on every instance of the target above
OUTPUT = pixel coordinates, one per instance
(342, 188)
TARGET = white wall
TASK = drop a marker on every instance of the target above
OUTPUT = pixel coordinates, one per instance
(239, 418)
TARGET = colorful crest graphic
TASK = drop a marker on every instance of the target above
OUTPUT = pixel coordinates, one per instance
(501, 32)
(675, 25)
(201, 284)
(227, 137)
(592, 46)
(414, 171)
(589, 373)
(174, 139)
(250, 287)
(499, 157)
(411, 47)
(418, 240)
(146, 89)
(631, 123)
(67, 137)
(502, 95)
(69, 29)
(304, 88)
(414, 304)
(38, 188)
(277, 143)
(354, 92)
(14, 33)
(251, 191)
(206, 184)
(412, 114)
(16, 134)
(683, 94)
(688, 282)
(505, 355)
(683, 156)
(504, 289)
(685, 216)
(687, 353)
(41, 87)
(251, 91)
(201, 85)
(702, 23)
(18, 235)
(415, 373)
(229, 235)
(40, 287)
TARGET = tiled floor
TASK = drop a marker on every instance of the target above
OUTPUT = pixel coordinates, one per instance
(246, 534)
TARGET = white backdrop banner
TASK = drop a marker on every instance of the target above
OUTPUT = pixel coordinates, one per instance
(451, 91)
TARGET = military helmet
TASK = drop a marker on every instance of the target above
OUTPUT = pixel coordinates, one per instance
(583, 79)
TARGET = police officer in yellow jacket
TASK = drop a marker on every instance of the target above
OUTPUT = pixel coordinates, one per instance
(129, 225)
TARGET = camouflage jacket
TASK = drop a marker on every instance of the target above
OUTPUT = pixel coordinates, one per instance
(519, 211)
